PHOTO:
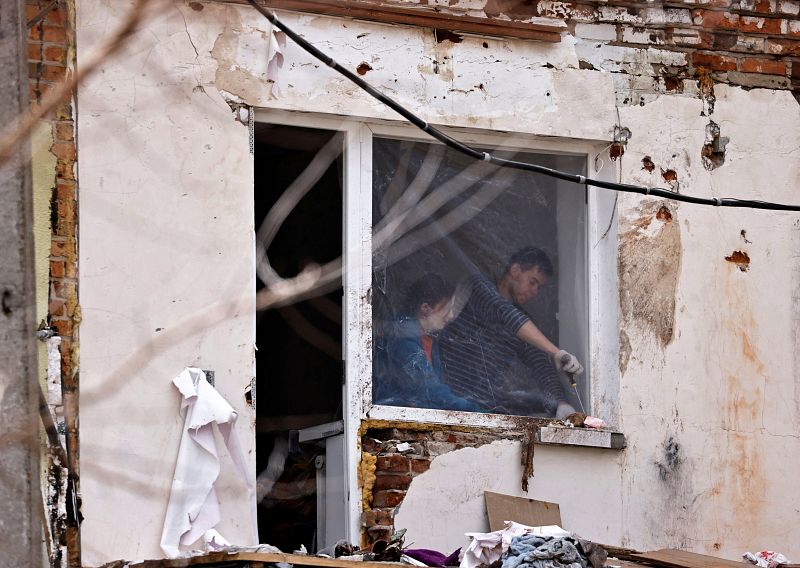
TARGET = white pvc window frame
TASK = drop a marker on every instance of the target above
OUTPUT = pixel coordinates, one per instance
(601, 271)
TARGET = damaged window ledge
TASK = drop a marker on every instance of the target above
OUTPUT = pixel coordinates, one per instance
(587, 437)
(504, 426)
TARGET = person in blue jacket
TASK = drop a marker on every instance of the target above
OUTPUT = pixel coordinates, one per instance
(410, 372)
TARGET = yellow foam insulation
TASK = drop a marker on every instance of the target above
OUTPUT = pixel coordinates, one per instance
(366, 478)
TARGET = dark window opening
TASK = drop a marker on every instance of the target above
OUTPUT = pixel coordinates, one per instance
(299, 359)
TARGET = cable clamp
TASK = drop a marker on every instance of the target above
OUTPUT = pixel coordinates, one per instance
(331, 62)
(717, 202)
(647, 190)
(581, 180)
(487, 157)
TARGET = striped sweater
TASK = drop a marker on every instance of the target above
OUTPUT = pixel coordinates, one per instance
(481, 345)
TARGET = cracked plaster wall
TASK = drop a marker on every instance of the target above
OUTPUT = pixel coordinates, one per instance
(711, 415)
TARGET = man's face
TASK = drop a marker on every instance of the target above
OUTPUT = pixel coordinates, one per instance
(525, 284)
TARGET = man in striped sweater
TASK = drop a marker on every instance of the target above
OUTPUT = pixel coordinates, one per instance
(493, 335)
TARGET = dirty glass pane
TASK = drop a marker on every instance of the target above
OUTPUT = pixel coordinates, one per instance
(466, 256)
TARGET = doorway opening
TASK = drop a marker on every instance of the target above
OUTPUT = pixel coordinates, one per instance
(299, 368)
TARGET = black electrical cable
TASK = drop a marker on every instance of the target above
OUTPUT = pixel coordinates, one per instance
(485, 156)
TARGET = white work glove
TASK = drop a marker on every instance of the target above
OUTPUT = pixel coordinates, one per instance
(564, 410)
(567, 362)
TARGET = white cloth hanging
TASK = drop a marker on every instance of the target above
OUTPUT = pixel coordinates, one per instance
(193, 507)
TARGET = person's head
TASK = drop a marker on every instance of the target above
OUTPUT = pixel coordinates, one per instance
(430, 300)
(527, 271)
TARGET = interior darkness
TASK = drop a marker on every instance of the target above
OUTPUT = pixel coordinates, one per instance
(299, 362)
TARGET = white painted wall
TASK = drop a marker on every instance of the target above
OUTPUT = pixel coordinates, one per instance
(447, 500)
(166, 229)
(166, 232)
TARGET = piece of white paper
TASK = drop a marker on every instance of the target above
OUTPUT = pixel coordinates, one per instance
(193, 507)
(277, 43)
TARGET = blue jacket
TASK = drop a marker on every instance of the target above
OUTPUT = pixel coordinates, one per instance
(405, 377)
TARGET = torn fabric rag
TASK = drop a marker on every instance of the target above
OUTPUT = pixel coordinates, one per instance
(193, 506)
(486, 548)
(532, 551)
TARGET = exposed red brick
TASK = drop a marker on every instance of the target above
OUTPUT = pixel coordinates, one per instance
(72, 267)
(369, 518)
(63, 327)
(724, 41)
(58, 268)
(65, 190)
(64, 131)
(420, 465)
(379, 533)
(64, 150)
(30, 11)
(56, 307)
(795, 74)
(757, 25)
(445, 437)
(789, 47)
(391, 481)
(65, 209)
(714, 62)
(768, 66)
(56, 17)
(388, 498)
(53, 73)
(65, 169)
(377, 517)
(64, 289)
(370, 445)
(395, 463)
(714, 21)
(55, 53)
(34, 51)
(35, 32)
(66, 345)
(58, 248)
(794, 28)
(54, 34)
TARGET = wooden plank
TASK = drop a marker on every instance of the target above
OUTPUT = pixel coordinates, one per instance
(617, 563)
(619, 552)
(501, 508)
(542, 29)
(673, 558)
(265, 557)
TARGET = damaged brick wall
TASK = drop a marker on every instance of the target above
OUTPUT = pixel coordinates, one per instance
(401, 453)
(51, 43)
(654, 49)
(751, 43)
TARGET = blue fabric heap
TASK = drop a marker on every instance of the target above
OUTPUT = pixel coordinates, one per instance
(531, 551)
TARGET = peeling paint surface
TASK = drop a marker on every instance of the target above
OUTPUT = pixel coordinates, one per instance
(649, 265)
(711, 418)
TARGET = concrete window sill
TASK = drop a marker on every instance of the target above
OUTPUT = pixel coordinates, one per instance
(563, 436)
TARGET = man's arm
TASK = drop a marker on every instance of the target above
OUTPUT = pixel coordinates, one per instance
(531, 335)
(491, 305)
